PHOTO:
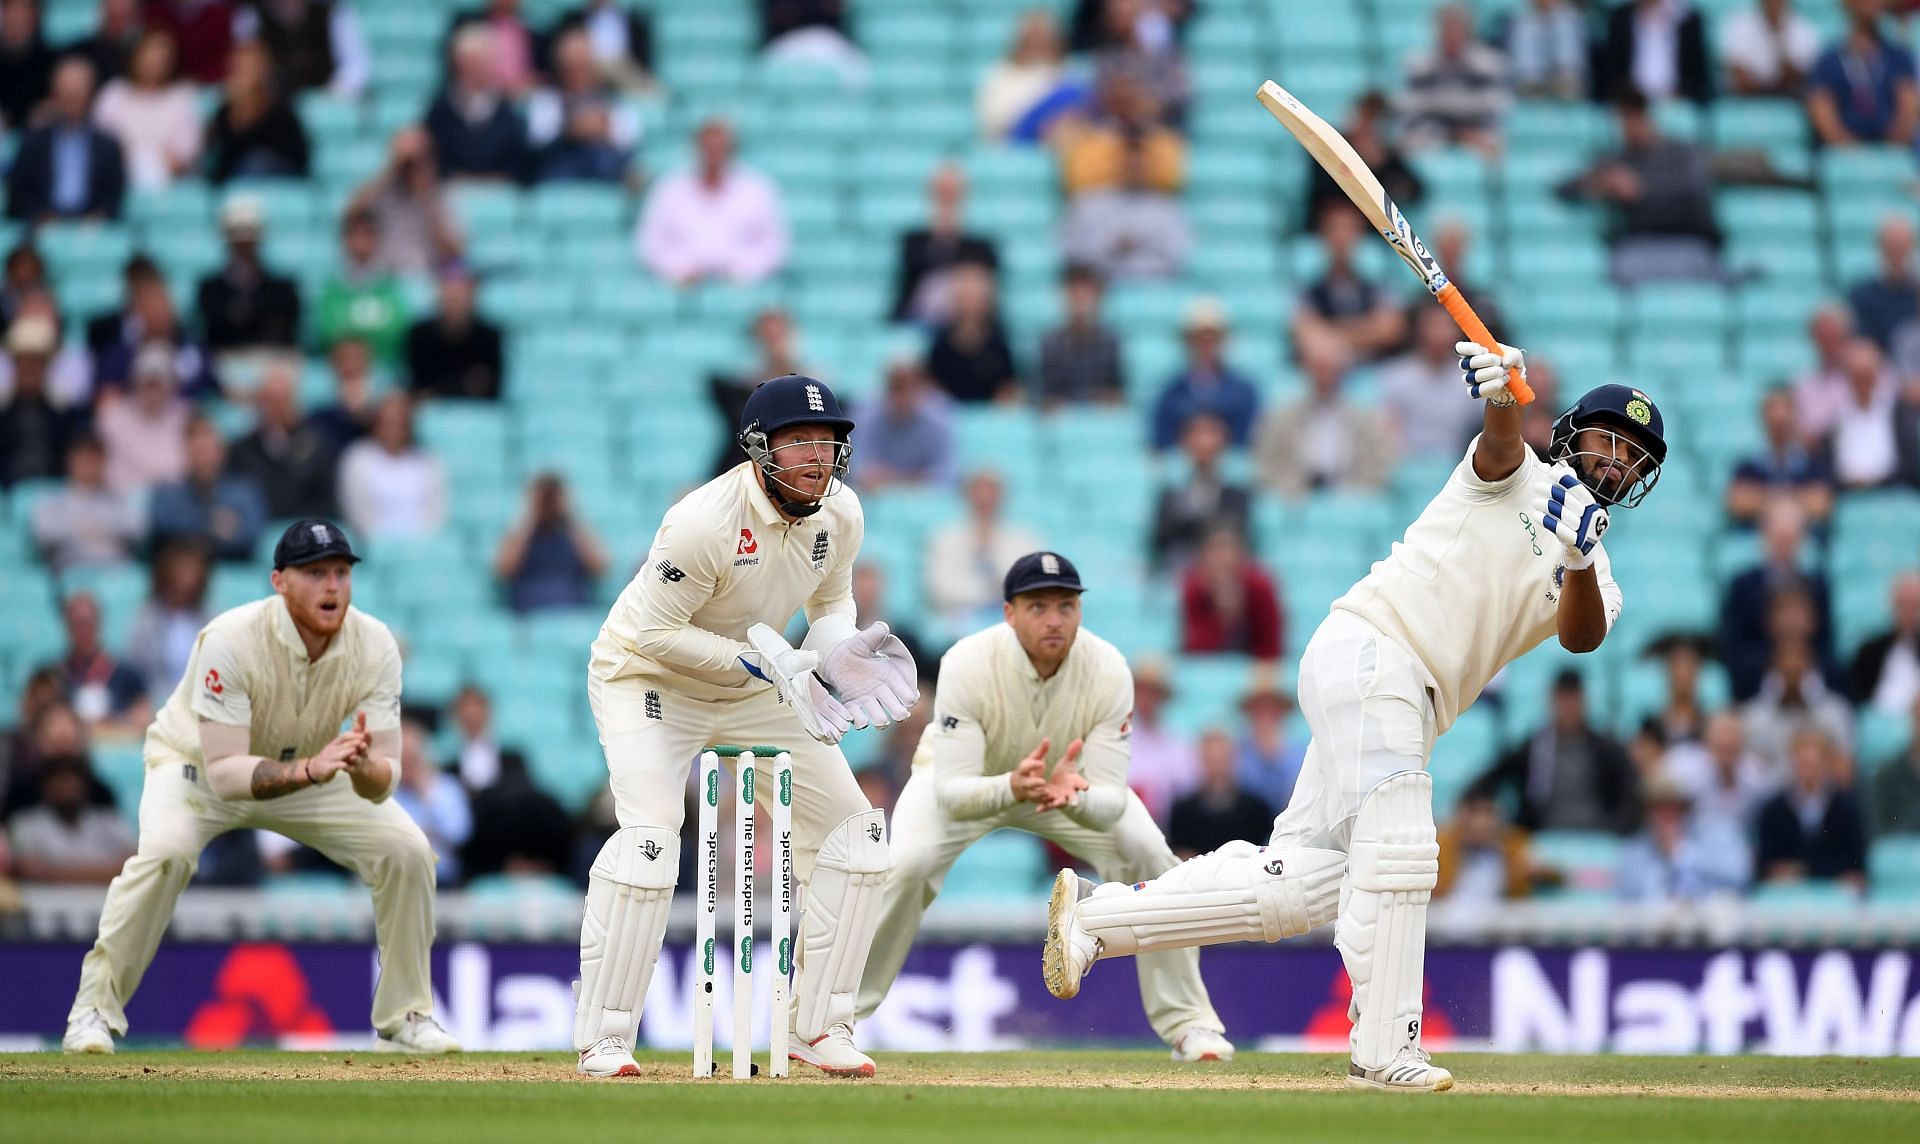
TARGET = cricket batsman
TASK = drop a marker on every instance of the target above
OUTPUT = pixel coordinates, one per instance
(1033, 691)
(689, 657)
(252, 738)
(1506, 555)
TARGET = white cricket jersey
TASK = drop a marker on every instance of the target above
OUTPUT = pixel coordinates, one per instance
(723, 560)
(250, 669)
(992, 709)
(1474, 584)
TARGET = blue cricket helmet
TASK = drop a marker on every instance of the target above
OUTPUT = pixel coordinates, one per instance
(1632, 416)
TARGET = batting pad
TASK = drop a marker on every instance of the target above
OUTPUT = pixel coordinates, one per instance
(837, 927)
(629, 892)
(1240, 892)
(1382, 933)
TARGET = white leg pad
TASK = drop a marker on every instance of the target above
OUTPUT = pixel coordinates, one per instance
(1382, 932)
(1240, 892)
(843, 907)
(629, 894)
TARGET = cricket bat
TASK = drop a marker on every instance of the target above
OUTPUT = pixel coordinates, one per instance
(1339, 159)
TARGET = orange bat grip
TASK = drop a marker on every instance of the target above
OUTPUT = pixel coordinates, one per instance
(1476, 330)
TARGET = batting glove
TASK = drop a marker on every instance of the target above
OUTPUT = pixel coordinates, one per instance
(1569, 510)
(1485, 370)
(874, 675)
(790, 671)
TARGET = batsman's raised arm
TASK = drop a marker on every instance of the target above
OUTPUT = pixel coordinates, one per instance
(1501, 449)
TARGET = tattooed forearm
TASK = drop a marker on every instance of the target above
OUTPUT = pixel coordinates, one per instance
(273, 778)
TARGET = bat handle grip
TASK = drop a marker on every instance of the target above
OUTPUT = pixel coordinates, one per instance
(1476, 330)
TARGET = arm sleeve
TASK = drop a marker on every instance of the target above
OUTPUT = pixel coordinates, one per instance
(682, 569)
(381, 704)
(959, 748)
(220, 692)
(386, 745)
(1105, 754)
(1610, 595)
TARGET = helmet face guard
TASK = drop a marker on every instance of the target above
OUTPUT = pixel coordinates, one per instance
(1639, 470)
(792, 499)
(787, 402)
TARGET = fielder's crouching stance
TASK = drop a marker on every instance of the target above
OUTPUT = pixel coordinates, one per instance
(687, 659)
(1508, 554)
(252, 738)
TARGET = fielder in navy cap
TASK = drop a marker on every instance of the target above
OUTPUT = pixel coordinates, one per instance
(307, 541)
(1037, 570)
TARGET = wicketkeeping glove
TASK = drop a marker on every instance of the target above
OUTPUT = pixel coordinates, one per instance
(1570, 511)
(1486, 369)
(791, 673)
(874, 675)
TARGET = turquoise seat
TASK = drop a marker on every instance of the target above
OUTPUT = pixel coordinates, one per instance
(1462, 755)
(1882, 738)
(1005, 865)
(1586, 860)
(1893, 867)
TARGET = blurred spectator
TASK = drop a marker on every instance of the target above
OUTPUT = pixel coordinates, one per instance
(350, 416)
(54, 730)
(1269, 756)
(1366, 130)
(65, 839)
(1661, 194)
(719, 221)
(870, 605)
(1137, 42)
(1861, 89)
(1821, 391)
(1674, 859)
(773, 335)
(454, 352)
(1420, 392)
(811, 33)
(25, 279)
(1726, 781)
(1206, 383)
(121, 326)
(1744, 638)
(621, 39)
(245, 306)
(1784, 468)
(1081, 359)
(409, 206)
(1342, 306)
(34, 431)
(1886, 669)
(517, 828)
(202, 28)
(1793, 696)
(86, 522)
(154, 115)
(1536, 419)
(1483, 859)
(477, 753)
(365, 300)
(1452, 247)
(104, 691)
(577, 126)
(255, 134)
(315, 43)
(923, 278)
(1864, 445)
(969, 357)
(1891, 298)
(145, 433)
(909, 438)
(1018, 84)
(434, 801)
(550, 557)
(1229, 603)
(1164, 764)
(1813, 828)
(476, 132)
(118, 31)
(168, 624)
(1568, 775)
(1656, 49)
(1322, 441)
(1219, 810)
(226, 510)
(1201, 500)
(1122, 143)
(390, 487)
(1131, 230)
(19, 764)
(26, 63)
(1768, 48)
(1456, 94)
(510, 44)
(966, 563)
(1894, 800)
(1547, 50)
(153, 326)
(66, 167)
(289, 456)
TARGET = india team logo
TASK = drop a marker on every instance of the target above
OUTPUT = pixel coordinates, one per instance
(1639, 410)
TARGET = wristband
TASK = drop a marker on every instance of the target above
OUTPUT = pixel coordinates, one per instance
(1576, 560)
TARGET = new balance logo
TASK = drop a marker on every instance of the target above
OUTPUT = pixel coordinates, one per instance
(949, 723)
(668, 573)
(820, 543)
(190, 772)
(651, 850)
(653, 705)
(815, 403)
(873, 831)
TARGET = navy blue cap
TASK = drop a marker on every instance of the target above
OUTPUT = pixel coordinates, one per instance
(310, 540)
(1037, 570)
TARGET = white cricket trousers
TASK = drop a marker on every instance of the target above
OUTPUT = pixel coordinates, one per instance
(179, 815)
(927, 842)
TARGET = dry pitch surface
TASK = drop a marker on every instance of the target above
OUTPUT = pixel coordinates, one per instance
(1065, 1097)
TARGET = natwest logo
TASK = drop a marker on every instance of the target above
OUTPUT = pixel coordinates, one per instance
(214, 686)
(261, 994)
(748, 545)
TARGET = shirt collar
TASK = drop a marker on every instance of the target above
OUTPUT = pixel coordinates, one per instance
(288, 634)
(757, 498)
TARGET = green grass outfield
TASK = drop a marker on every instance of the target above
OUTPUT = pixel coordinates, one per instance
(1065, 1097)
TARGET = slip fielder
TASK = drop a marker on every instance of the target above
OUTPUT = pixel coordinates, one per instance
(1007, 696)
(252, 738)
(1506, 555)
(689, 657)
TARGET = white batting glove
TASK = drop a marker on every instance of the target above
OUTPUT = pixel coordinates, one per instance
(791, 673)
(1485, 370)
(875, 676)
(1570, 511)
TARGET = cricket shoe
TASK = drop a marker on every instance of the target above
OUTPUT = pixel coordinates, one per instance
(1069, 950)
(1198, 1043)
(419, 1033)
(832, 1052)
(606, 1057)
(1410, 1070)
(87, 1033)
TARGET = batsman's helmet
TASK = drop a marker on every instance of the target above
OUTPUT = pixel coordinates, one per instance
(781, 402)
(1633, 420)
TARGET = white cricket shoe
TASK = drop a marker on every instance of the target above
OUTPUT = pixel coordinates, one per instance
(419, 1033)
(1069, 950)
(1201, 1044)
(87, 1033)
(608, 1056)
(1410, 1070)
(832, 1052)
